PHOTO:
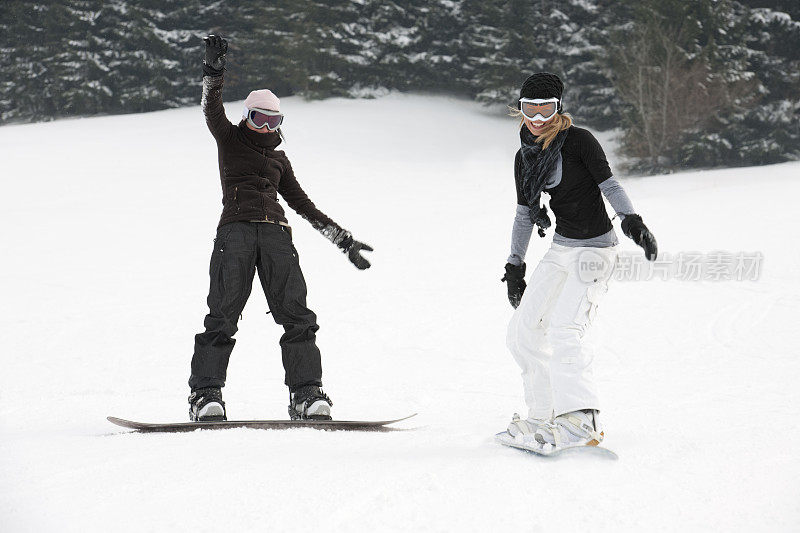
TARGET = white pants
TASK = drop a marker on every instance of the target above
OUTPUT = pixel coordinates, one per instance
(545, 334)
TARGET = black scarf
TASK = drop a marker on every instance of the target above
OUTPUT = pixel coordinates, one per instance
(537, 165)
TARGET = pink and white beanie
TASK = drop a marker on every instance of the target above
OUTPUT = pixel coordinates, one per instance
(261, 99)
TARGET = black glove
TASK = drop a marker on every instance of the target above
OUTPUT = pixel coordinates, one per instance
(214, 62)
(540, 219)
(353, 249)
(515, 277)
(634, 228)
(345, 241)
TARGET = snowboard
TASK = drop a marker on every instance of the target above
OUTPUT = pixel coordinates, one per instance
(506, 439)
(330, 425)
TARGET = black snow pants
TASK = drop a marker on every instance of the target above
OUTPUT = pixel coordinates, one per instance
(240, 249)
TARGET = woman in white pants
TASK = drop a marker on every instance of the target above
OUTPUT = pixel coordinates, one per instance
(546, 332)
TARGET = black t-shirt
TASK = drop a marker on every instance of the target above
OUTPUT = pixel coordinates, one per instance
(576, 201)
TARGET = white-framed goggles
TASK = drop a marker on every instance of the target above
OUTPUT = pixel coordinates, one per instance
(539, 108)
(258, 118)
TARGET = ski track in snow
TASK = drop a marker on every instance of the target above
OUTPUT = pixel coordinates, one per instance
(108, 224)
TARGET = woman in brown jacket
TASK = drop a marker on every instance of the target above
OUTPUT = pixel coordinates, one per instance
(254, 236)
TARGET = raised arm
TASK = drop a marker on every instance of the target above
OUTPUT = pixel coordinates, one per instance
(211, 103)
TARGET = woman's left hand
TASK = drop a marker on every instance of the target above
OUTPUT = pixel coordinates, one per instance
(353, 249)
(354, 254)
(634, 228)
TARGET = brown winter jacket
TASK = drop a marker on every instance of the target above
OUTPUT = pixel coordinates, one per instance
(251, 170)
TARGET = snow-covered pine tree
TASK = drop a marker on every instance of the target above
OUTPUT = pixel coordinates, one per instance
(680, 85)
(91, 57)
(511, 39)
(405, 48)
(704, 83)
(765, 39)
(51, 68)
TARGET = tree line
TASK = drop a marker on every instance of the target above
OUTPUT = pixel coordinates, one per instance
(697, 84)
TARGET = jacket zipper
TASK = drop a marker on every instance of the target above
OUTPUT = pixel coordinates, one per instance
(236, 197)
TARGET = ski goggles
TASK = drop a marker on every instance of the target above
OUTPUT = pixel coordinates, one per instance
(258, 118)
(539, 108)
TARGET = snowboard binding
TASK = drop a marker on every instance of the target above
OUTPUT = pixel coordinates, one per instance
(309, 403)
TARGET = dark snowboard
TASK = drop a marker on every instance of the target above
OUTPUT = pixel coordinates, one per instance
(330, 425)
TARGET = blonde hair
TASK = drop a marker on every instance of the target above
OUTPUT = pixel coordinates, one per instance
(552, 128)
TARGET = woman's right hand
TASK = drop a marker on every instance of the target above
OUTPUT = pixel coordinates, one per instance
(214, 61)
(515, 278)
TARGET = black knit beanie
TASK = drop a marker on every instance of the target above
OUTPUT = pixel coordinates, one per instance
(542, 85)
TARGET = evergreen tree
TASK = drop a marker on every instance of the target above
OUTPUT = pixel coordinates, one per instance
(692, 84)
(769, 131)
(511, 39)
(680, 85)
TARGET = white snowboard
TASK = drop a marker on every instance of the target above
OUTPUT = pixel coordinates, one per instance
(506, 439)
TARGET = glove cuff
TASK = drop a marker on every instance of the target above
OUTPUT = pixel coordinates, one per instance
(631, 220)
(338, 236)
(208, 70)
(540, 217)
(514, 272)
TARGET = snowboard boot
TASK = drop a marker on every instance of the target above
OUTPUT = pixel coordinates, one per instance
(309, 402)
(578, 428)
(520, 429)
(206, 405)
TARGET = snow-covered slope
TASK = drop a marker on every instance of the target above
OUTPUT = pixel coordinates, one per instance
(107, 226)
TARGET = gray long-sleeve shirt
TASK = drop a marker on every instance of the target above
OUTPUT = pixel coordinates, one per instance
(523, 227)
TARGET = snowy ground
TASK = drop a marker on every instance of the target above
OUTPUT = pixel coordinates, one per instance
(107, 230)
